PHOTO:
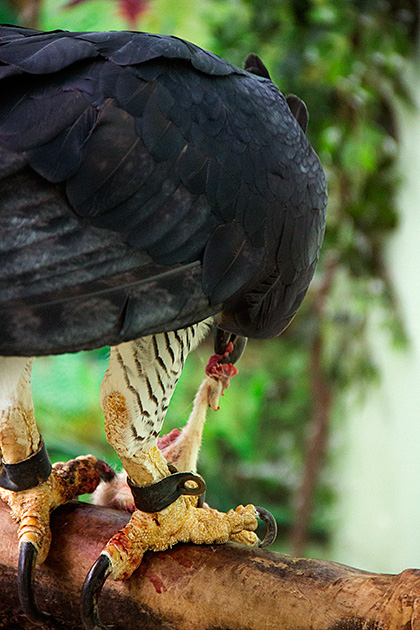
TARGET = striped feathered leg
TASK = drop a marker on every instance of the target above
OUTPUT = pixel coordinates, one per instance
(28, 483)
(135, 394)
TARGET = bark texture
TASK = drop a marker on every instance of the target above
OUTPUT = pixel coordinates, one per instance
(202, 588)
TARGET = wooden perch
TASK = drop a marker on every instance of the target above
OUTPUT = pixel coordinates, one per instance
(198, 588)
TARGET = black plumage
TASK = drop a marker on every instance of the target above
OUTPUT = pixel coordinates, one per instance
(146, 184)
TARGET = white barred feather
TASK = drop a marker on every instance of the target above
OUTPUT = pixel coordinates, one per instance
(145, 371)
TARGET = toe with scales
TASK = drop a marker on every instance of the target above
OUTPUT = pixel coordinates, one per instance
(180, 522)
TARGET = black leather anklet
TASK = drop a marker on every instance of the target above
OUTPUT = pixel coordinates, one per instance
(28, 473)
(159, 495)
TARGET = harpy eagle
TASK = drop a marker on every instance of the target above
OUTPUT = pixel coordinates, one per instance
(148, 191)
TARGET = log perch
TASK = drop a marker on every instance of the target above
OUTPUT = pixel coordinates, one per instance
(202, 587)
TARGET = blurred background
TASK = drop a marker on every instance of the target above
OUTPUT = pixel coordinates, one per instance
(322, 425)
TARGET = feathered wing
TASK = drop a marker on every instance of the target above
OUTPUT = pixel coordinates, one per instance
(146, 184)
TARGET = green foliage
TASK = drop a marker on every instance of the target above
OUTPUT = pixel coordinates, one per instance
(346, 60)
(66, 396)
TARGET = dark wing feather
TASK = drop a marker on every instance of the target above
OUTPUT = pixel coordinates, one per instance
(67, 285)
(172, 183)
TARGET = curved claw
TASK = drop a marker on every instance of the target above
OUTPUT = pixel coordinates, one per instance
(90, 593)
(270, 521)
(221, 341)
(26, 572)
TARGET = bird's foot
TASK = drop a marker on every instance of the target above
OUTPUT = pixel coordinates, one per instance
(31, 510)
(181, 521)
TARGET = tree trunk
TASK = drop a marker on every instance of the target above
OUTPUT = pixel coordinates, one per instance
(203, 587)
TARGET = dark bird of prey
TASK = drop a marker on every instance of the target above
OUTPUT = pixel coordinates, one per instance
(149, 190)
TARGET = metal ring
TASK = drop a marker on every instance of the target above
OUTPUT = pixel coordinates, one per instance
(28, 473)
(157, 496)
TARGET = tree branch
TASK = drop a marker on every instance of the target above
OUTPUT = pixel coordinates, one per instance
(198, 588)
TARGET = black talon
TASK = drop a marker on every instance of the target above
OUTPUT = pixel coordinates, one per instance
(90, 593)
(270, 521)
(106, 472)
(26, 572)
(221, 340)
